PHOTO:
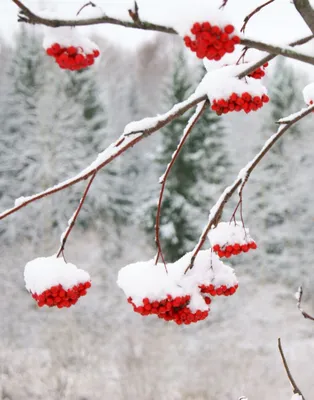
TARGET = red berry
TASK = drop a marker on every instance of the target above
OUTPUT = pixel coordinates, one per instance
(229, 29)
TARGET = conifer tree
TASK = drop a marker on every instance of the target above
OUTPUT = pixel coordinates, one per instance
(196, 175)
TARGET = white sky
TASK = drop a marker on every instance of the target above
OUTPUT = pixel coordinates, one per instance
(279, 22)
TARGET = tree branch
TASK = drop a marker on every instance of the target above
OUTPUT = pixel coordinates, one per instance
(75, 216)
(217, 209)
(126, 141)
(282, 51)
(295, 388)
(27, 16)
(122, 144)
(306, 11)
(299, 299)
(192, 122)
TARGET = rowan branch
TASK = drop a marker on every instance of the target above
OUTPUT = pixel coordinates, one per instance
(131, 136)
(192, 122)
(295, 388)
(73, 219)
(27, 16)
(299, 295)
(306, 11)
(282, 51)
(216, 211)
(257, 9)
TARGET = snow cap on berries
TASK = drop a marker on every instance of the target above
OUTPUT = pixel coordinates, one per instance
(308, 93)
(45, 272)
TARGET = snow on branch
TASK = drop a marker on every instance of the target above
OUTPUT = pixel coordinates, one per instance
(28, 16)
(298, 296)
(306, 11)
(296, 390)
(128, 139)
(244, 174)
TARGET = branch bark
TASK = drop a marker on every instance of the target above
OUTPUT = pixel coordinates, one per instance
(216, 211)
(295, 388)
(299, 299)
(306, 11)
(27, 16)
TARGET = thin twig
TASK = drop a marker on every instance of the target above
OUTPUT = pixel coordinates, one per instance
(192, 122)
(299, 299)
(85, 5)
(75, 216)
(216, 211)
(135, 14)
(295, 388)
(224, 3)
(257, 9)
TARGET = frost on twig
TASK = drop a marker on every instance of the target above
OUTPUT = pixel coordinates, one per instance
(298, 296)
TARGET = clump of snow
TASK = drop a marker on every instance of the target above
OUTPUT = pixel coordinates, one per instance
(45, 272)
(182, 18)
(66, 36)
(229, 233)
(147, 280)
(296, 396)
(221, 83)
(308, 93)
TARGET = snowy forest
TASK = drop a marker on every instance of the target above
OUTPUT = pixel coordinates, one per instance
(100, 349)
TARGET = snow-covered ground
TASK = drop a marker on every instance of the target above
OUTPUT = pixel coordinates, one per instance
(101, 349)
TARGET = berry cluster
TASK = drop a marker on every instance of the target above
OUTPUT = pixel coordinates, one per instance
(210, 41)
(58, 296)
(72, 58)
(171, 309)
(245, 102)
(233, 250)
(222, 290)
(259, 73)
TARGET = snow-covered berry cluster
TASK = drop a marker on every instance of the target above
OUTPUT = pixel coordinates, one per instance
(72, 58)
(211, 41)
(70, 48)
(228, 239)
(174, 294)
(259, 73)
(236, 102)
(52, 282)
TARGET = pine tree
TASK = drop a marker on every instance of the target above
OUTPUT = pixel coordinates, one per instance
(196, 175)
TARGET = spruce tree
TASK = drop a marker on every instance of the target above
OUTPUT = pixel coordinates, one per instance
(196, 175)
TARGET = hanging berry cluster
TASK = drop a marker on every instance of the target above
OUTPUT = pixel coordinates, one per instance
(230, 239)
(58, 296)
(171, 309)
(211, 41)
(259, 73)
(55, 283)
(235, 102)
(72, 58)
(176, 294)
